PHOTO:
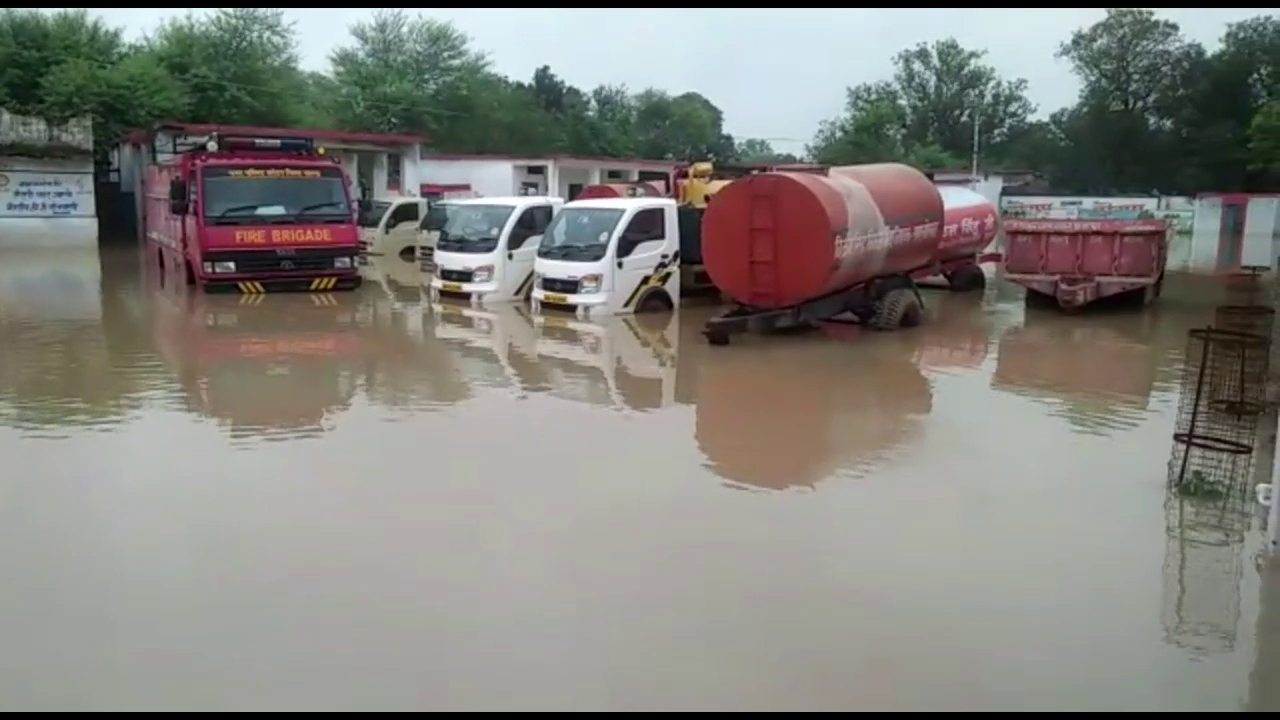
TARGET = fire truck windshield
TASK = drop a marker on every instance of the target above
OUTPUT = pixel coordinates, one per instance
(240, 194)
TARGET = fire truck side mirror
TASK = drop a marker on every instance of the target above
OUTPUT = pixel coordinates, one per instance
(178, 196)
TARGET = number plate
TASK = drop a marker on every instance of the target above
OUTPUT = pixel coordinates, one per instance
(451, 287)
(555, 299)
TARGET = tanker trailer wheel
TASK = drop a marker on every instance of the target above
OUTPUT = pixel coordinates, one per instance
(966, 279)
(899, 307)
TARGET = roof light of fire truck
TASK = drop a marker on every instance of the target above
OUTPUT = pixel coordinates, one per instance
(261, 143)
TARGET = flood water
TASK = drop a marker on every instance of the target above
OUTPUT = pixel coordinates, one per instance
(359, 502)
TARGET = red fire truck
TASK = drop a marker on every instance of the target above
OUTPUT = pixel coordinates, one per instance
(252, 215)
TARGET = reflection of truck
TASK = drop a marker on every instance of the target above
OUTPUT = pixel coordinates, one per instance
(791, 249)
(1101, 374)
(390, 227)
(623, 362)
(1075, 262)
(253, 214)
(485, 252)
(274, 365)
(498, 344)
(779, 417)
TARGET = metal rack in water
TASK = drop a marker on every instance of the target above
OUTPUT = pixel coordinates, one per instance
(1223, 395)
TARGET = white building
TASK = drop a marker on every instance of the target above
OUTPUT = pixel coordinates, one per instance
(503, 175)
(46, 184)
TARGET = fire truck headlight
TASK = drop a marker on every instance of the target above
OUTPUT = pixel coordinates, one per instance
(482, 274)
(342, 263)
(225, 266)
(207, 267)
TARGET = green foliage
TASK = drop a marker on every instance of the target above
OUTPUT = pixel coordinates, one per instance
(1155, 111)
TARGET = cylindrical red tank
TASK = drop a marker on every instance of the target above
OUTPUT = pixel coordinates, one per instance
(620, 190)
(969, 222)
(776, 239)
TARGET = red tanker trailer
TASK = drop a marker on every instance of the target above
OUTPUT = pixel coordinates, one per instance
(621, 190)
(792, 249)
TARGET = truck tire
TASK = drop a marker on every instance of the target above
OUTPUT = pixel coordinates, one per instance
(897, 308)
(966, 279)
(655, 301)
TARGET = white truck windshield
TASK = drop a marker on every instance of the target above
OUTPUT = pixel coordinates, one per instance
(578, 230)
(473, 228)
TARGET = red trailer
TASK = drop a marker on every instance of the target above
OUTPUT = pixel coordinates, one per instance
(791, 249)
(1076, 262)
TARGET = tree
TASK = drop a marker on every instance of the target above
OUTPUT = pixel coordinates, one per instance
(872, 128)
(684, 127)
(757, 151)
(404, 74)
(926, 113)
(1264, 138)
(66, 65)
(237, 65)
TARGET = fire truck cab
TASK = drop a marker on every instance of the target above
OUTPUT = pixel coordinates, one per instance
(252, 215)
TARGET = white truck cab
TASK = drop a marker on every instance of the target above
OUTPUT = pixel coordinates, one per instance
(485, 251)
(610, 256)
(389, 228)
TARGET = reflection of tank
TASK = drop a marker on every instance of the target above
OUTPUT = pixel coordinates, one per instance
(956, 337)
(497, 345)
(625, 362)
(1100, 374)
(793, 415)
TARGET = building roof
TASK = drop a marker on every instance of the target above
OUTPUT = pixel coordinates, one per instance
(665, 164)
(139, 136)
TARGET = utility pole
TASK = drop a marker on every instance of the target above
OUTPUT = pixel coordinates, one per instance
(977, 124)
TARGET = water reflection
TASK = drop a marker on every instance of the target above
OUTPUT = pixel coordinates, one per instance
(57, 366)
(627, 363)
(1098, 375)
(791, 414)
(1264, 681)
(495, 347)
(271, 366)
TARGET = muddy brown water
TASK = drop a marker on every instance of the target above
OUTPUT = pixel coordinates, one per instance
(361, 502)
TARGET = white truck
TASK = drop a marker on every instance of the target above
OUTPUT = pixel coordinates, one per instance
(612, 256)
(485, 251)
(389, 228)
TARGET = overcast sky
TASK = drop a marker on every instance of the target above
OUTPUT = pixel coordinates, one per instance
(775, 72)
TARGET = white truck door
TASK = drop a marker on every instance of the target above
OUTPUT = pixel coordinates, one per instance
(522, 250)
(399, 234)
(642, 257)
